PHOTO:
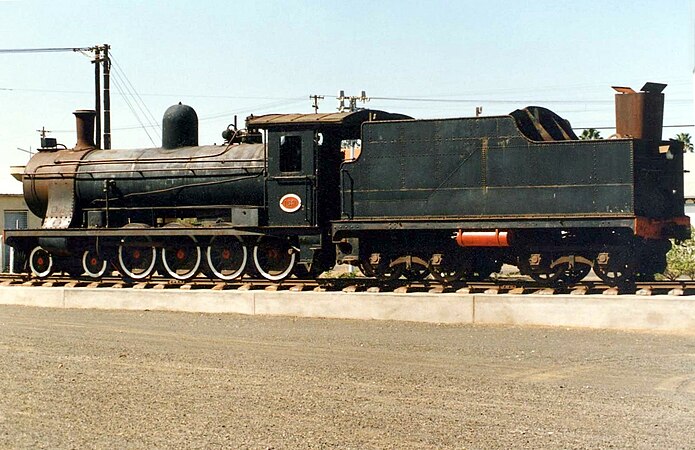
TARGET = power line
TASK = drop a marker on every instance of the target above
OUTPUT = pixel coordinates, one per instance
(142, 105)
(210, 117)
(503, 101)
(234, 97)
(122, 83)
(613, 128)
(396, 99)
(46, 50)
(135, 113)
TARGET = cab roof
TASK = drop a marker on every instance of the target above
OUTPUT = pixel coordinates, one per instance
(339, 118)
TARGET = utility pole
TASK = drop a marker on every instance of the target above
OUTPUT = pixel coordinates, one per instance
(101, 58)
(353, 101)
(43, 132)
(107, 97)
(316, 99)
(46, 142)
(97, 95)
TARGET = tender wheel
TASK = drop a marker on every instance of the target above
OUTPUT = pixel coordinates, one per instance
(137, 258)
(616, 268)
(40, 262)
(448, 270)
(552, 276)
(94, 264)
(446, 275)
(539, 268)
(574, 275)
(366, 268)
(414, 269)
(274, 258)
(387, 272)
(181, 258)
(226, 257)
(381, 266)
(416, 273)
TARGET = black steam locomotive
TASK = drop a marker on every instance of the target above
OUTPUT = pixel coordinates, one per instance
(296, 193)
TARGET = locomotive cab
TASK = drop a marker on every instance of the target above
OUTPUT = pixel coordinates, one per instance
(303, 174)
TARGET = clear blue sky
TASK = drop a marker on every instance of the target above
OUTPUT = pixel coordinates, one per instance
(225, 58)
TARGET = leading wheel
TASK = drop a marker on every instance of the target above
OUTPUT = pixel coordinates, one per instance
(226, 257)
(40, 262)
(274, 258)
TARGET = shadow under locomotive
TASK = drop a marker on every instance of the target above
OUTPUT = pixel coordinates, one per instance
(298, 193)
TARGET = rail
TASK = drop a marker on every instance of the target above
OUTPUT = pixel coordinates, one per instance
(499, 286)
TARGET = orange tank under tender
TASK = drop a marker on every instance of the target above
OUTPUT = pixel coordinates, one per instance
(495, 238)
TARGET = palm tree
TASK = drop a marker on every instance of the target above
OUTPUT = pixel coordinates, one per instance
(590, 133)
(685, 139)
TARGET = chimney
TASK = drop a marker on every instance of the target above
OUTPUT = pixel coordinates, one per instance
(640, 115)
(85, 128)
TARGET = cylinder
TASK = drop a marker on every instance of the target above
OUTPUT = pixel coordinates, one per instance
(495, 238)
(84, 125)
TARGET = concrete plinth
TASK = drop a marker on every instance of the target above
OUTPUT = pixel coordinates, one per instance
(363, 305)
(624, 312)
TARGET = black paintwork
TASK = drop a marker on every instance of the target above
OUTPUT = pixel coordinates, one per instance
(480, 167)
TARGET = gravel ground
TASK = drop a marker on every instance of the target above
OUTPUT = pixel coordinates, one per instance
(111, 379)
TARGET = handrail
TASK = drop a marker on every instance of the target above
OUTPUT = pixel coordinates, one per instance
(345, 175)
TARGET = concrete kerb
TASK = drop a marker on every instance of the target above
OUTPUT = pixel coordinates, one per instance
(656, 313)
(442, 308)
(366, 306)
(625, 312)
(44, 297)
(240, 302)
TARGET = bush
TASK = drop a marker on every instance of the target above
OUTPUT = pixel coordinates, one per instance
(680, 260)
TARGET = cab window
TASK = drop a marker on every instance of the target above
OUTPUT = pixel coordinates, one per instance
(290, 153)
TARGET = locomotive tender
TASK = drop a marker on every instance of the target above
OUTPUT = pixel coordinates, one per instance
(454, 198)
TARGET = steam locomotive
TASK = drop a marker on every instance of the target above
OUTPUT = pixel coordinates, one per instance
(297, 193)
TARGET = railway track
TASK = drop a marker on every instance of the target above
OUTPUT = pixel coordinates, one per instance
(502, 285)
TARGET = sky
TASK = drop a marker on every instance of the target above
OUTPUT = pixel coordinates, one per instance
(425, 59)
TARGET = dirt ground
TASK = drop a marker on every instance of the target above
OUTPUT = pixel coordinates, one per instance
(110, 379)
